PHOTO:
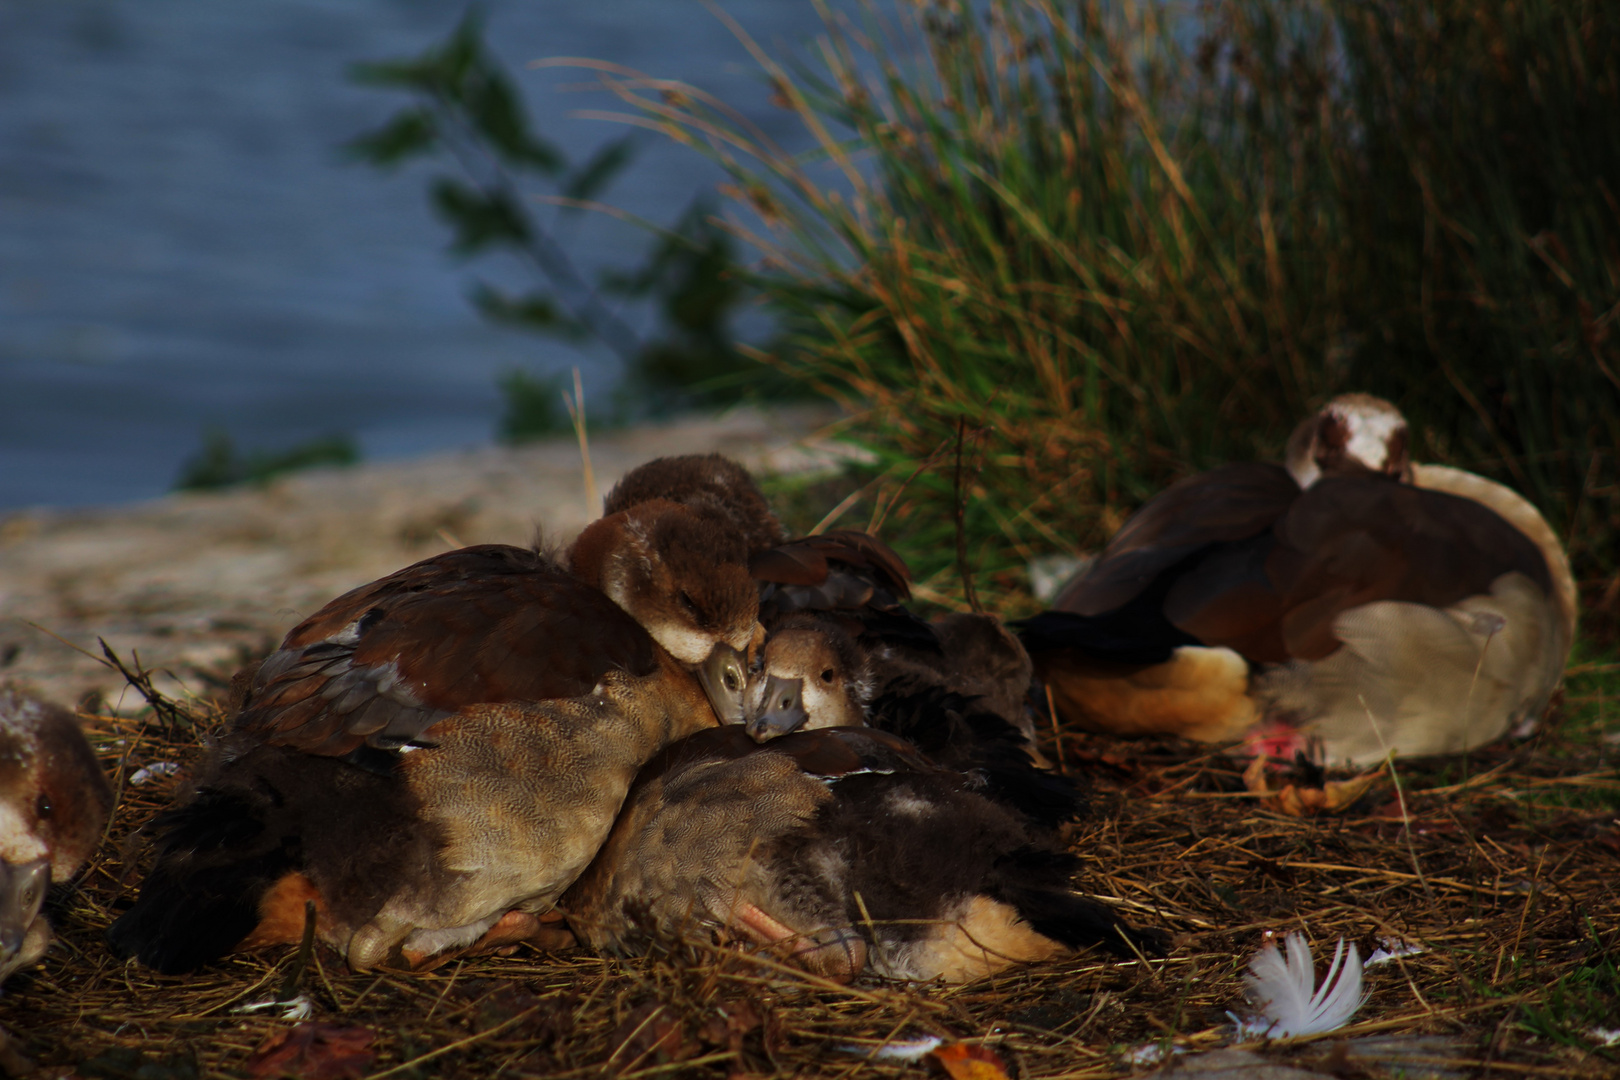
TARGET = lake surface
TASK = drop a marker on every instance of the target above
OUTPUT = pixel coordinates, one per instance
(183, 245)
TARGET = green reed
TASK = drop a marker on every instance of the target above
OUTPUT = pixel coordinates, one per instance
(1057, 256)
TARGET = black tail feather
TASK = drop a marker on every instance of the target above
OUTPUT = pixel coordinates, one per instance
(1133, 635)
(959, 734)
(216, 860)
(1038, 883)
(355, 834)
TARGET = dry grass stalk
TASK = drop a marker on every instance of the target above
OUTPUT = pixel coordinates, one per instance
(1516, 909)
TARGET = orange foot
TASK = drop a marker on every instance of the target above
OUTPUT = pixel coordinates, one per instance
(510, 930)
(838, 955)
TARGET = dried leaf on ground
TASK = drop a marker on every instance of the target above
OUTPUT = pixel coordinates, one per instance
(1301, 800)
(962, 1061)
(315, 1052)
(652, 1034)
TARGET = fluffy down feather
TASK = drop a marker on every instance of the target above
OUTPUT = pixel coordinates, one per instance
(1285, 997)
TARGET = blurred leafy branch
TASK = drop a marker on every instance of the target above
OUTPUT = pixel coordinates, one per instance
(221, 464)
(467, 114)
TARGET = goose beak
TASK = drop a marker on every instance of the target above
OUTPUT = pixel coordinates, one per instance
(724, 676)
(779, 710)
(22, 891)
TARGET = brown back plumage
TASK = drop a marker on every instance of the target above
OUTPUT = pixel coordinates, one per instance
(1268, 568)
(383, 662)
(1346, 542)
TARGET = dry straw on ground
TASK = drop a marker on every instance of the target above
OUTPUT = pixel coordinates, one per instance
(1506, 877)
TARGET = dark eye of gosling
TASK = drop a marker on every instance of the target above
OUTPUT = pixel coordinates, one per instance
(688, 605)
(43, 807)
(827, 676)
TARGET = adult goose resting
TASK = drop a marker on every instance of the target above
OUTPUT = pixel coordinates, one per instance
(1351, 601)
(431, 759)
(843, 850)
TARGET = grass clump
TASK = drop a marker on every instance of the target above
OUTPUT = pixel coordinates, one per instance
(1074, 252)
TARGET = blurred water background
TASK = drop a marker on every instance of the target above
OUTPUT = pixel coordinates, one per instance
(184, 246)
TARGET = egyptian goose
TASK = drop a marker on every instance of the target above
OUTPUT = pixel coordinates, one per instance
(1351, 601)
(493, 623)
(462, 842)
(813, 675)
(54, 802)
(450, 744)
(842, 850)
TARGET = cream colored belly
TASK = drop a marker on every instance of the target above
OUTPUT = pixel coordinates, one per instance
(1416, 680)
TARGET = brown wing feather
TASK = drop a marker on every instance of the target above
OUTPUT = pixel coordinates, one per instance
(867, 552)
(840, 751)
(1226, 504)
(485, 624)
(793, 563)
(843, 570)
(1345, 542)
(825, 752)
(1351, 541)
(808, 560)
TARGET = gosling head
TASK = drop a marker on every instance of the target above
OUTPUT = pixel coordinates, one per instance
(810, 677)
(684, 577)
(711, 485)
(54, 802)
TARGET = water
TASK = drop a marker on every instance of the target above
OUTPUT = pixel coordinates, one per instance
(183, 246)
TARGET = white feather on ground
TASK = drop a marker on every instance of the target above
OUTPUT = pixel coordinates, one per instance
(1284, 994)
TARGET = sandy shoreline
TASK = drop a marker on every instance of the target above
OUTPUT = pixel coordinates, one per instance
(196, 583)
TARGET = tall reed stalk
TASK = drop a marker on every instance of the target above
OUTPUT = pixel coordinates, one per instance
(1095, 246)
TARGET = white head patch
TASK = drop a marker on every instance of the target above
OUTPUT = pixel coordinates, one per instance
(18, 842)
(682, 642)
(1371, 429)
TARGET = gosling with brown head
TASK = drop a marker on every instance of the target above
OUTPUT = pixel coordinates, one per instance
(54, 802)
